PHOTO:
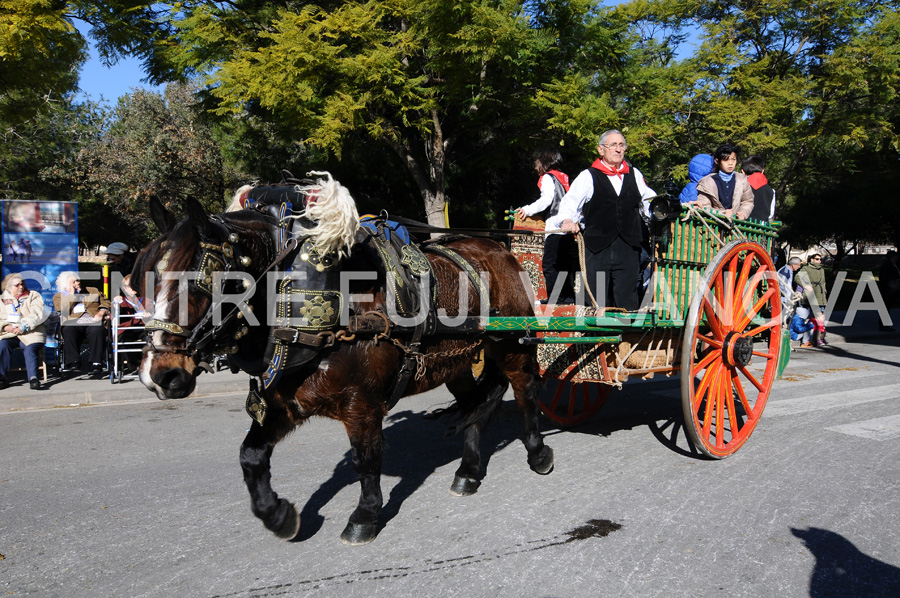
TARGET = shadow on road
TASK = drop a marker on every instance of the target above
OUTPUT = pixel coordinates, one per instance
(842, 570)
(416, 445)
(652, 404)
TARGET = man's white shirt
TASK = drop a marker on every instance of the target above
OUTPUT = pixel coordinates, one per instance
(582, 190)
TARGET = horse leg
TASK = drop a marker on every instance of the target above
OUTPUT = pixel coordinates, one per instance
(526, 388)
(279, 515)
(366, 451)
(477, 402)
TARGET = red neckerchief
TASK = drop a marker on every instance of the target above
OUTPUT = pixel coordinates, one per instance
(562, 177)
(608, 170)
(757, 180)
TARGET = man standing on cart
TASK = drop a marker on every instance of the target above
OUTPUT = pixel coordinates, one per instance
(606, 201)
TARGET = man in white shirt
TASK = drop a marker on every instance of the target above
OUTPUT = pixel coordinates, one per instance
(606, 200)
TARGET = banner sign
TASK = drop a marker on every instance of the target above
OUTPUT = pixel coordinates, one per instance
(40, 240)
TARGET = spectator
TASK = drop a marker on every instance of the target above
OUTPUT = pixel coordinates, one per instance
(811, 280)
(802, 327)
(763, 194)
(700, 166)
(889, 285)
(607, 198)
(81, 315)
(119, 258)
(558, 247)
(786, 278)
(22, 317)
(726, 189)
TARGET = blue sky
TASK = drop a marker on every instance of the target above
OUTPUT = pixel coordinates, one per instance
(97, 81)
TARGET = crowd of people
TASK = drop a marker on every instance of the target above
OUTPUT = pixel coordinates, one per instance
(83, 314)
(608, 204)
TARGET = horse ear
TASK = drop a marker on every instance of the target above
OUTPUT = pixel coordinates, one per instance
(199, 219)
(163, 218)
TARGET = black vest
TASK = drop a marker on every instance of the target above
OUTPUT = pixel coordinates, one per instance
(607, 215)
(762, 202)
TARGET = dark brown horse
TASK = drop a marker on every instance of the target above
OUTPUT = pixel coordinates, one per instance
(348, 379)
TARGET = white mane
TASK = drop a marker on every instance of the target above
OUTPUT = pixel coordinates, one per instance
(238, 199)
(331, 207)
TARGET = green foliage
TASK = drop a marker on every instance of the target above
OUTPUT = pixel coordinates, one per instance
(40, 52)
(155, 145)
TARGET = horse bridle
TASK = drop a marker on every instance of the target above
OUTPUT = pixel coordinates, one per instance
(224, 257)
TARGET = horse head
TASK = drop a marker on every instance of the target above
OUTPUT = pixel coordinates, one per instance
(206, 277)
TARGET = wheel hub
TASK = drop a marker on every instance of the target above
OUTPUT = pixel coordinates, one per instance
(737, 350)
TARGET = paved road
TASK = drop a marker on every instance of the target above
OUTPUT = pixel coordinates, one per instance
(134, 497)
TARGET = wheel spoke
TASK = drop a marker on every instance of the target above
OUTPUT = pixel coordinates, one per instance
(709, 341)
(733, 417)
(739, 388)
(751, 333)
(707, 379)
(720, 407)
(705, 361)
(742, 280)
(755, 309)
(751, 378)
(766, 355)
(713, 321)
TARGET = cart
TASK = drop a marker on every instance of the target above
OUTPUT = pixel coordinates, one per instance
(712, 312)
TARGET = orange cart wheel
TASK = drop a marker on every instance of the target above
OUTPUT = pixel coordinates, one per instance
(732, 339)
(571, 403)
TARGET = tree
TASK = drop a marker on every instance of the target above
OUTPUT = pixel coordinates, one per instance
(420, 77)
(155, 145)
(40, 53)
(37, 155)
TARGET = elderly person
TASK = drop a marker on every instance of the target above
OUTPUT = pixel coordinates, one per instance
(81, 314)
(607, 199)
(22, 317)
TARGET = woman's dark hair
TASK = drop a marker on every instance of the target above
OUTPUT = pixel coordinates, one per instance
(725, 150)
(549, 159)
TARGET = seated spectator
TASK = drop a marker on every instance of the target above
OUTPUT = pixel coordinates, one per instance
(725, 189)
(700, 166)
(802, 327)
(81, 315)
(22, 317)
(763, 194)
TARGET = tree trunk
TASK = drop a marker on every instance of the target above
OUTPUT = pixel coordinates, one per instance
(431, 185)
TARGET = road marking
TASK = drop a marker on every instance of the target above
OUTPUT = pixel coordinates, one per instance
(882, 428)
(833, 400)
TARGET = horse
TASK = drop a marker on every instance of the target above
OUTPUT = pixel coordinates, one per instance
(349, 377)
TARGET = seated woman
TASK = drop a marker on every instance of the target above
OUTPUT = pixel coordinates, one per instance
(22, 317)
(726, 189)
(81, 315)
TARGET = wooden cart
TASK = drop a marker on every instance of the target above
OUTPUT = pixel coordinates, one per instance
(712, 311)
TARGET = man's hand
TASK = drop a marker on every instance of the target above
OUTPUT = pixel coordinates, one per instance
(521, 214)
(569, 226)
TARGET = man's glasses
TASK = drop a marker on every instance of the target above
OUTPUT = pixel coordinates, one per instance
(615, 146)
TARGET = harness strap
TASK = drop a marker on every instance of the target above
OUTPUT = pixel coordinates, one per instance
(483, 295)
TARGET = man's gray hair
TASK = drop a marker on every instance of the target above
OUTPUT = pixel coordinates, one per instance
(606, 134)
(794, 261)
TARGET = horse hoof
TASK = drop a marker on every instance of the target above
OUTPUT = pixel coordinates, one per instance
(544, 463)
(290, 524)
(359, 533)
(464, 486)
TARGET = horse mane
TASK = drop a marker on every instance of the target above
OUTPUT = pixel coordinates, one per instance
(330, 205)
